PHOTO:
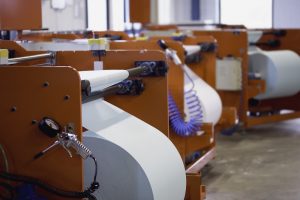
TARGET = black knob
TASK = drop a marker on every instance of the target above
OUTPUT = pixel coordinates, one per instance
(162, 44)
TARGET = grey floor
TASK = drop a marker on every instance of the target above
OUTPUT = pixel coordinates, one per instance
(261, 164)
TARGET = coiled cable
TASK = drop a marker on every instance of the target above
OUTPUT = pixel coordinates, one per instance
(178, 124)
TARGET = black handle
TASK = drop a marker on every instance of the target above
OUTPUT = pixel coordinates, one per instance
(162, 44)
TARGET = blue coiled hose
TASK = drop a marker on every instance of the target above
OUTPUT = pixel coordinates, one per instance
(178, 124)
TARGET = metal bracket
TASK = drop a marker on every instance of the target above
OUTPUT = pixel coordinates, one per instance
(131, 87)
(99, 53)
(155, 68)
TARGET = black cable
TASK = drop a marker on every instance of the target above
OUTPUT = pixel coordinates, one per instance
(94, 185)
(96, 167)
(48, 188)
(10, 191)
(59, 192)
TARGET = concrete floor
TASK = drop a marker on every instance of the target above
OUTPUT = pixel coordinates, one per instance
(261, 164)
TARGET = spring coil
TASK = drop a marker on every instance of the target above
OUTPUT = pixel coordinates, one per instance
(178, 124)
(82, 148)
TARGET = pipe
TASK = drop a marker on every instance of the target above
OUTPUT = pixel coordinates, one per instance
(29, 58)
(138, 70)
(102, 93)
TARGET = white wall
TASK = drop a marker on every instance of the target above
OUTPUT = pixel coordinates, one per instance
(182, 11)
(73, 17)
(209, 11)
(117, 15)
(286, 14)
(251, 13)
(97, 15)
(179, 11)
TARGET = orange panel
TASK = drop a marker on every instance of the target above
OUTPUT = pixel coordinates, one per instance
(252, 121)
(290, 41)
(20, 14)
(151, 106)
(140, 11)
(195, 189)
(185, 145)
(233, 43)
(23, 88)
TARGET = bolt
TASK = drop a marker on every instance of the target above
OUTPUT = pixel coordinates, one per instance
(46, 84)
(13, 109)
(67, 97)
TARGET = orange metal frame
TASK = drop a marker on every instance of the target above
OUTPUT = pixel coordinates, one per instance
(154, 96)
(290, 40)
(20, 14)
(49, 36)
(207, 70)
(23, 89)
(154, 88)
(234, 43)
(186, 146)
(151, 106)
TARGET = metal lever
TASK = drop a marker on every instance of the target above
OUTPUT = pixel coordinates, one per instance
(40, 154)
(170, 53)
(67, 141)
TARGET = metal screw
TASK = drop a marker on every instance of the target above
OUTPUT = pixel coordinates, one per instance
(46, 84)
(67, 97)
(13, 109)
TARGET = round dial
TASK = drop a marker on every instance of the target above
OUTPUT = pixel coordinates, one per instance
(49, 127)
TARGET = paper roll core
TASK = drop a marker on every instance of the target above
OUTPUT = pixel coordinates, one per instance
(101, 79)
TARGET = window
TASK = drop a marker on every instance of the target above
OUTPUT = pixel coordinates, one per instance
(117, 14)
(165, 11)
(97, 15)
(251, 13)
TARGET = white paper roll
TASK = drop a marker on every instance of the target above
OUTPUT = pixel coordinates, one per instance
(254, 36)
(210, 100)
(136, 161)
(192, 49)
(101, 79)
(280, 70)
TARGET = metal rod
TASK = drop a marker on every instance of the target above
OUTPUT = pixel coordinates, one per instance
(28, 58)
(102, 93)
(115, 88)
(137, 70)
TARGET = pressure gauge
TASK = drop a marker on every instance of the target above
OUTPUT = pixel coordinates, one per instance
(49, 126)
